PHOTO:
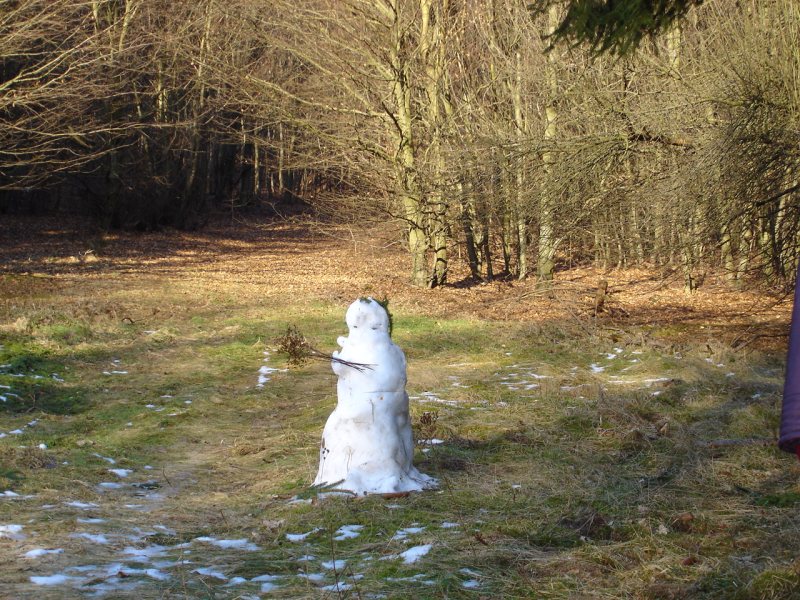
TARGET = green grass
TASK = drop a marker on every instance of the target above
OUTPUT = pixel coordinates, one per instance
(567, 484)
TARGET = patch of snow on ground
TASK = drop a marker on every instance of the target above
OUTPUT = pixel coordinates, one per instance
(414, 553)
(110, 485)
(57, 579)
(262, 578)
(39, 552)
(347, 532)
(144, 554)
(209, 572)
(335, 565)
(83, 505)
(265, 372)
(449, 525)
(240, 544)
(314, 577)
(299, 537)
(12, 531)
(337, 587)
(404, 533)
(97, 538)
(432, 441)
(596, 368)
(156, 574)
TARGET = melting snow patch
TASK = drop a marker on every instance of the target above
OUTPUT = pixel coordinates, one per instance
(82, 520)
(12, 531)
(268, 587)
(84, 505)
(105, 458)
(265, 372)
(57, 579)
(263, 578)
(315, 577)
(156, 574)
(449, 525)
(470, 584)
(241, 544)
(404, 533)
(97, 538)
(110, 485)
(432, 441)
(347, 532)
(165, 529)
(38, 552)
(307, 558)
(337, 587)
(431, 397)
(144, 554)
(413, 554)
(207, 571)
(299, 537)
(335, 565)
(596, 368)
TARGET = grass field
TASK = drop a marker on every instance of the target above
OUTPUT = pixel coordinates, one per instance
(623, 456)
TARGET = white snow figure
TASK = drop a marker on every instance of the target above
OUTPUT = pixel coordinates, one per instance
(367, 445)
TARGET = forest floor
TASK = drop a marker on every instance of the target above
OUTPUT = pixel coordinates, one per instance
(153, 444)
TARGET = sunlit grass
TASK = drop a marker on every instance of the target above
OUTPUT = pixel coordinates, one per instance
(565, 471)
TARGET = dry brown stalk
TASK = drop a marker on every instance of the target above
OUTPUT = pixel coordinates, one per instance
(299, 350)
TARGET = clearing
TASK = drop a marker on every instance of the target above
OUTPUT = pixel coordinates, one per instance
(154, 445)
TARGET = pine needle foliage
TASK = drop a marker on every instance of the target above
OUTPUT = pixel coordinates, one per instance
(385, 305)
(616, 26)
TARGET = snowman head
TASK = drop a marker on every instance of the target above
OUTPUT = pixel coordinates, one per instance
(366, 318)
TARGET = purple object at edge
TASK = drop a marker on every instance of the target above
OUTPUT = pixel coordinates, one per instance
(790, 414)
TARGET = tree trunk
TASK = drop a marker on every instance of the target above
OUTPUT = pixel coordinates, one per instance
(547, 239)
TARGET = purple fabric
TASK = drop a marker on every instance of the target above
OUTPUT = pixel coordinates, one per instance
(790, 415)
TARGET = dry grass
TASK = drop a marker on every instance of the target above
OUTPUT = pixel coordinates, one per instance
(565, 481)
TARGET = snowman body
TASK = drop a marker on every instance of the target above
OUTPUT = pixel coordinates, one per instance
(367, 445)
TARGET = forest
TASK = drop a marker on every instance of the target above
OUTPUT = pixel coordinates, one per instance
(568, 227)
(463, 122)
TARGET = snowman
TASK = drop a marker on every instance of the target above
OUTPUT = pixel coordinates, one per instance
(367, 444)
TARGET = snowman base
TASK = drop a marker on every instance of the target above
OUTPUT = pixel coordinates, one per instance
(367, 445)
